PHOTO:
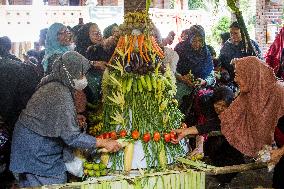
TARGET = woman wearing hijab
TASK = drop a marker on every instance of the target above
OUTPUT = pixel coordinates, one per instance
(89, 43)
(250, 121)
(58, 41)
(49, 124)
(194, 57)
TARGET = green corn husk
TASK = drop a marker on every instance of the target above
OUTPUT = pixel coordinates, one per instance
(193, 180)
(189, 177)
(198, 179)
(177, 181)
(182, 181)
(202, 180)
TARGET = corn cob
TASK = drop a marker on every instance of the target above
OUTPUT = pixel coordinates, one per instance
(129, 84)
(128, 156)
(162, 157)
(134, 85)
(143, 82)
(124, 85)
(105, 158)
(139, 85)
(148, 81)
(159, 84)
(163, 105)
(153, 80)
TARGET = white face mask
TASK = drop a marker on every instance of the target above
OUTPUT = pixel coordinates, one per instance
(80, 84)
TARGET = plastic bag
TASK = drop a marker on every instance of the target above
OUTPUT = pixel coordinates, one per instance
(75, 166)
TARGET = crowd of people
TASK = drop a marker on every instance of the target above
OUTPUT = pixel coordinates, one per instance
(43, 99)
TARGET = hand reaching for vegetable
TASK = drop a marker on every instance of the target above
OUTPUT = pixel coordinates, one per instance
(108, 144)
(275, 155)
(99, 65)
(181, 133)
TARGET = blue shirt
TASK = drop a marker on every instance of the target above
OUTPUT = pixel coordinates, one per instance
(41, 155)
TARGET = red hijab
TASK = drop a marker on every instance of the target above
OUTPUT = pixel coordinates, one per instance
(273, 55)
(249, 122)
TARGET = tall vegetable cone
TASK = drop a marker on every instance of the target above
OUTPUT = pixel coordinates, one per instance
(128, 157)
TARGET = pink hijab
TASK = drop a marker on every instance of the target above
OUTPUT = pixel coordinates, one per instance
(249, 122)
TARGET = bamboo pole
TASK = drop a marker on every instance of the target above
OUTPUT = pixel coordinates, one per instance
(236, 168)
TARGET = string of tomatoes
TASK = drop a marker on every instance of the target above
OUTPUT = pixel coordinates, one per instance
(135, 135)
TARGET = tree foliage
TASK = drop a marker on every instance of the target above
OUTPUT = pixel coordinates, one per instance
(221, 27)
(196, 4)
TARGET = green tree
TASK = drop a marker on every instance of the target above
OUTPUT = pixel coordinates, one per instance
(222, 26)
(195, 4)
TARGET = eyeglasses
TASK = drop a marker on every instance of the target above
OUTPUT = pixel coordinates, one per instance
(97, 33)
(64, 32)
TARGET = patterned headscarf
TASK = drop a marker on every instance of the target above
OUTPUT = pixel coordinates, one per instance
(199, 62)
(249, 122)
(71, 65)
(52, 45)
(51, 108)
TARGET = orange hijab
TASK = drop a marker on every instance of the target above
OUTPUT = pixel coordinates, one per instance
(249, 122)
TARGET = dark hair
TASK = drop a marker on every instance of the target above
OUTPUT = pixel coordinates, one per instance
(42, 33)
(235, 25)
(5, 43)
(223, 93)
(108, 30)
(225, 36)
(42, 36)
(82, 38)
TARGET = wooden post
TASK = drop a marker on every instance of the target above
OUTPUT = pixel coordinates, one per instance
(134, 5)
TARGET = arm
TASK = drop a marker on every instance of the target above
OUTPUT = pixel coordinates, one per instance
(77, 139)
(276, 155)
(211, 125)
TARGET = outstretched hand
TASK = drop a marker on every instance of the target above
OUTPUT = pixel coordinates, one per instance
(183, 132)
(108, 144)
(180, 133)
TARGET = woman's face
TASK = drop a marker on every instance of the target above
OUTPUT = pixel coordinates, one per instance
(115, 31)
(197, 43)
(64, 36)
(95, 34)
(220, 106)
(236, 36)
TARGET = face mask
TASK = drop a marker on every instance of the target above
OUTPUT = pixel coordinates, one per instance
(80, 84)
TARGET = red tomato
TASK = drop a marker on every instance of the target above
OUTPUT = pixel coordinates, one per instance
(173, 135)
(106, 135)
(123, 133)
(146, 137)
(156, 136)
(167, 137)
(113, 135)
(135, 134)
